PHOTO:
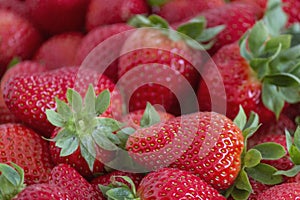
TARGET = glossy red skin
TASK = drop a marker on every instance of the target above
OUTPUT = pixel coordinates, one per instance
(281, 192)
(59, 50)
(207, 144)
(241, 85)
(78, 162)
(68, 179)
(94, 38)
(176, 10)
(19, 38)
(27, 149)
(102, 12)
(42, 192)
(5, 115)
(28, 96)
(156, 66)
(257, 188)
(173, 184)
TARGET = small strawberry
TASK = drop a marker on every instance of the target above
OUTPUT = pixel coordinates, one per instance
(59, 50)
(261, 86)
(159, 65)
(176, 10)
(26, 148)
(206, 144)
(84, 137)
(94, 38)
(29, 95)
(12, 186)
(166, 183)
(281, 192)
(103, 12)
(70, 181)
(18, 36)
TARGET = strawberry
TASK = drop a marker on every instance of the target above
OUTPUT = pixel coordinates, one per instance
(70, 181)
(94, 38)
(18, 38)
(28, 96)
(26, 148)
(5, 115)
(102, 12)
(59, 50)
(259, 86)
(160, 65)
(197, 142)
(176, 10)
(257, 188)
(84, 137)
(280, 192)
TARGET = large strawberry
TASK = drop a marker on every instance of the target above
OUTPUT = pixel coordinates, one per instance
(268, 75)
(26, 148)
(59, 50)
(176, 10)
(103, 12)
(19, 38)
(84, 137)
(29, 95)
(281, 192)
(158, 63)
(206, 144)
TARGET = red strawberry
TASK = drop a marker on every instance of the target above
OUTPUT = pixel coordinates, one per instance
(26, 148)
(257, 188)
(102, 12)
(293, 111)
(206, 144)
(175, 184)
(93, 39)
(176, 10)
(59, 50)
(28, 96)
(18, 38)
(5, 115)
(70, 181)
(281, 192)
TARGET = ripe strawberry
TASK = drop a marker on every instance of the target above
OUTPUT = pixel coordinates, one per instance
(102, 12)
(18, 38)
(257, 188)
(59, 50)
(26, 148)
(293, 111)
(5, 115)
(206, 144)
(258, 87)
(70, 181)
(281, 192)
(176, 10)
(93, 39)
(175, 184)
(28, 96)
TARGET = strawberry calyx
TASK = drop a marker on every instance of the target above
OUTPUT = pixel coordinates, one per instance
(157, 3)
(273, 61)
(293, 146)
(251, 159)
(194, 32)
(11, 181)
(81, 125)
(118, 190)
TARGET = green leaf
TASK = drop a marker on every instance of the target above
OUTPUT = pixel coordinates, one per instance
(110, 123)
(289, 140)
(282, 80)
(150, 116)
(257, 37)
(273, 43)
(128, 180)
(289, 173)
(241, 119)
(192, 29)
(264, 174)
(74, 99)
(252, 158)
(88, 151)
(15, 60)
(139, 21)
(253, 121)
(63, 109)
(61, 137)
(210, 33)
(120, 194)
(10, 174)
(104, 189)
(102, 102)
(272, 99)
(70, 146)
(270, 150)
(297, 138)
(157, 2)
(123, 135)
(242, 182)
(297, 120)
(103, 142)
(54, 118)
(158, 21)
(90, 100)
(261, 66)
(294, 154)
(240, 194)
(243, 47)
(290, 94)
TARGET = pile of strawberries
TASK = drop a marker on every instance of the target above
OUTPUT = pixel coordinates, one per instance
(149, 99)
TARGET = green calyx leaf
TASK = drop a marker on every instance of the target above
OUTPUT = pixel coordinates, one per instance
(150, 116)
(154, 21)
(289, 173)
(241, 118)
(252, 158)
(123, 136)
(270, 150)
(11, 181)
(157, 2)
(264, 173)
(272, 99)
